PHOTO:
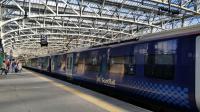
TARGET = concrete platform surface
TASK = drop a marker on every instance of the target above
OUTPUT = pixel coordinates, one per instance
(33, 92)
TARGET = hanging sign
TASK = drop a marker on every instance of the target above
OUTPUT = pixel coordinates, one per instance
(43, 40)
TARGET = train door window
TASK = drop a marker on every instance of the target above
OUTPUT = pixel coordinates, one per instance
(149, 65)
(161, 62)
(69, 63)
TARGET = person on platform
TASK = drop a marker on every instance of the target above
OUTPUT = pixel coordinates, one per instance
(13, 66)
(16, 67)
(7, 62)
(20, 66)
(4, 68)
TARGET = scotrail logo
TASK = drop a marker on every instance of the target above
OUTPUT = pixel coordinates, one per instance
(109, 82)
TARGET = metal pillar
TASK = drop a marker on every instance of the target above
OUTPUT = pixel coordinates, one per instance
(1, 16)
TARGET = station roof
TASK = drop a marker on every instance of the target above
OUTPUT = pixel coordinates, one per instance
(70, 24)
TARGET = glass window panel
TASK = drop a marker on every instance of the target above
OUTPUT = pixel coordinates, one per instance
(164, 59)
(122, 65)
(93, 62)
(166, 47)
(117, 60)
(161, 63)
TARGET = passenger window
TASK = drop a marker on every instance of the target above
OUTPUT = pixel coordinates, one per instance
(165, 65)
(161, 63)
(80, 64)
(92, 63)
(130, 68)
(117, 65)
(122, 65)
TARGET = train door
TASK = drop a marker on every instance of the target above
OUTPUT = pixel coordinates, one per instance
(49, 64)
(69, 65)
(103, 63)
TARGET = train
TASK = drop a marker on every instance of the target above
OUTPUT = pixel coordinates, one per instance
(162, 67)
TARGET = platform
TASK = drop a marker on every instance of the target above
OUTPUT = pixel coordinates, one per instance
(32, 92)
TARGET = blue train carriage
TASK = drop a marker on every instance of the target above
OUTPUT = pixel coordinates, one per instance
(160, 68)
(163, 68)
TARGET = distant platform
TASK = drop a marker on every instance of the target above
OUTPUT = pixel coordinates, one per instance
(32, 92)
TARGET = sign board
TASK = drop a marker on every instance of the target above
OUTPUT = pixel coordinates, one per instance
(43, 40)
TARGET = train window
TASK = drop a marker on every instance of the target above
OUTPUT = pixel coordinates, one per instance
(122, 65)
(160, 66)
(161, 63)
(164, 59)
(92, 64)
(166, 47)
(130, 68)
(116, 65)
(80, 64)
(149, 65)
(165, 66)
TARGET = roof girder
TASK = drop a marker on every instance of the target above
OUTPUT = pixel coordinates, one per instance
(126, 18)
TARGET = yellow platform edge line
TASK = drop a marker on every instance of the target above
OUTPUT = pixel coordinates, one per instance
(100, 103)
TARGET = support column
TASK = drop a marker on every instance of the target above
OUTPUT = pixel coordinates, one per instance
(29, 8)
(197, 5)
(1, 27)
(1, 14)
